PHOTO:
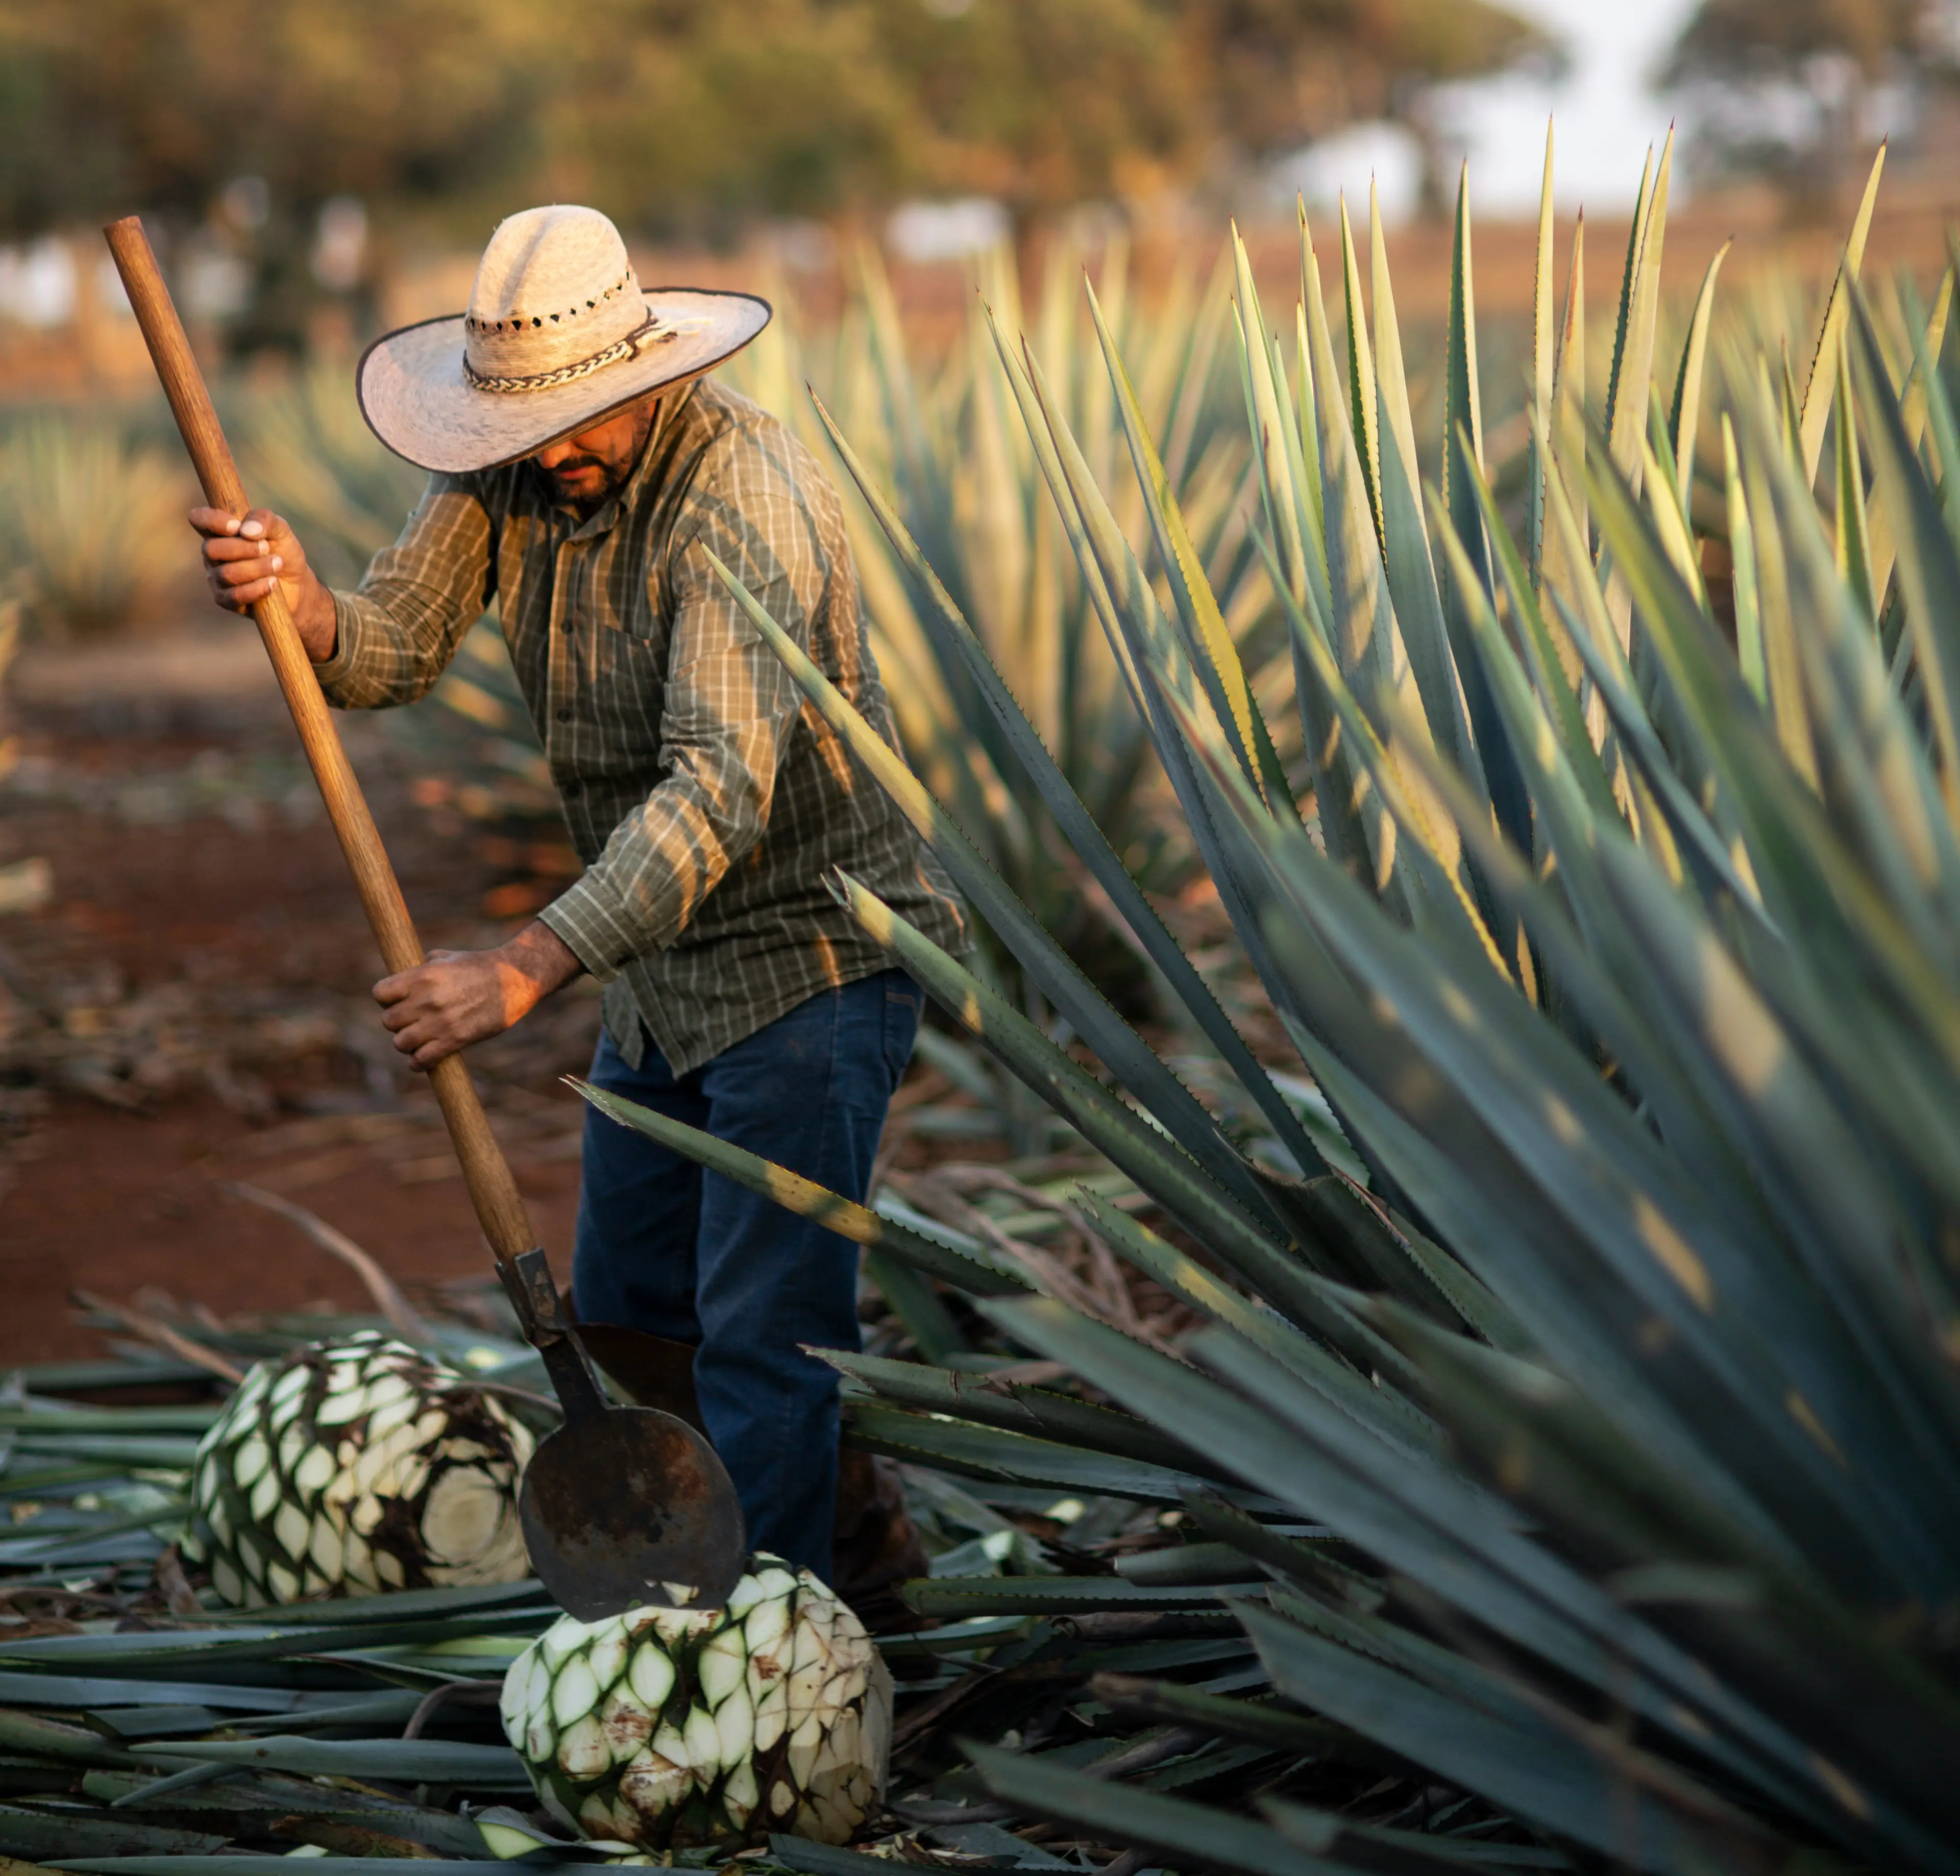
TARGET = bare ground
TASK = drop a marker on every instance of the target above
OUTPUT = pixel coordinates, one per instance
(189, 1008)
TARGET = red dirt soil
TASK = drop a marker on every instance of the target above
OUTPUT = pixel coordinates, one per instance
(231, 908)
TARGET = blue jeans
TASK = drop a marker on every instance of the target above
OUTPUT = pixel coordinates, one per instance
(664, 1246)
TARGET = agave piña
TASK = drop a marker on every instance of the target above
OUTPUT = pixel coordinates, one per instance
(673, 1728)
(350, 1467)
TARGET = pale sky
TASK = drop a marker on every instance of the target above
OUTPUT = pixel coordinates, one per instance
(1605, 117)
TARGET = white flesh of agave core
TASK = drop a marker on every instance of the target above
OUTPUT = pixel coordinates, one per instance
(355, 1467)
(672, 1729)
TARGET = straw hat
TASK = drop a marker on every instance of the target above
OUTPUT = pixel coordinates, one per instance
(559, 334)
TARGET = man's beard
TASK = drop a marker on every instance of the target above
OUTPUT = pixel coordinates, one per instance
(564, 472)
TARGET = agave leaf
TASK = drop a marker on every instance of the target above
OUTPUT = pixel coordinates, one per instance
(1630, 277)
(955, 1598)
(1418, 602)
(246, 1863)
(1684, 416)
(1010, 1458)
(1420, 1521)
(1880, 789)
(1601, 974)
(1429, 840)
(1545, 365)
(1364, 411)
(67, 1419)
(1565, 442)
(1915, 406)
(414, 1761)
(824, 1859)
(1153, 1162)
(398, 1605)
(1361, 634)
(964, 1270)
(1015, 1406)
(1743, 552)
(1814, 413)
(921, 1311)
(1084, 836)
(1750, 1336)
(1657, 482)
(1198, 1834)
(1213, 652)
(1929, 567)
(1060, 977)
(19, 1688)
(1610, 1797)
(1392, 377)
(1854, 539)
(1259, 1722)
(1153, 659)
(1294, 525)
(1631, 379)
(1463, 431)
(1325, 1833)
(42, 1835)
(1672, 1255)
(1556, 698)
(1350, 1387)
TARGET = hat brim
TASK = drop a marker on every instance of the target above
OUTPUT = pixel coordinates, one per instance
(417, 400)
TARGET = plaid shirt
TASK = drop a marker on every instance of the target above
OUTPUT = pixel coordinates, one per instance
(706, 797)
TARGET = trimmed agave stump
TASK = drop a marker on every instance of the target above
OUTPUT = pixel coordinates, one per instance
(666, 1728)
(355, 1467)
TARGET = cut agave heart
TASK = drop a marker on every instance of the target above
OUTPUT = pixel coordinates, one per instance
(354, 1467)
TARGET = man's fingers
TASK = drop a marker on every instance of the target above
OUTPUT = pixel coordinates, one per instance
(242, 599)
(423, 1047)
(244, 572)
(220, 547)
(213, 521)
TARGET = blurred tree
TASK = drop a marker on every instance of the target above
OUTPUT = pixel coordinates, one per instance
(679, 116)
(167, 107)
(1278, 71)
(1782, 86)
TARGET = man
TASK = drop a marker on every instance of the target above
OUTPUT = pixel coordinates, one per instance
(581, 463)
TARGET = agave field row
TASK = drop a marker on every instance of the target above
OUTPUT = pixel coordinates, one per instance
(149, 1721)
(1525, 1429)
(1590, 1435)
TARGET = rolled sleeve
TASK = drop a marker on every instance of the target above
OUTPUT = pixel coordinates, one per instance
(396, 632)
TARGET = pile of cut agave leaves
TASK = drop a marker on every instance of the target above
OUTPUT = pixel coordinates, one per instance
(146, 1725)
(1095, 1605)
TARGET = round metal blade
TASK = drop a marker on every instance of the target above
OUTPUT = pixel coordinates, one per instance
(618, 1506)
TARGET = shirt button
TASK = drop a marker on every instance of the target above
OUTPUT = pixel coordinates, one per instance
(570, 789)
(564, 716)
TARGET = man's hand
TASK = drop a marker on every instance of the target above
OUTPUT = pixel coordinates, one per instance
(458, 997)
(244, 560)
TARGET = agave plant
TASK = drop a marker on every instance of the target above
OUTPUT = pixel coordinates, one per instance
(960, 472)
(92, 522)
(1593, 1443)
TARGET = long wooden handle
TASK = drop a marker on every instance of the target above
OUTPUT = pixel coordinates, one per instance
(492, 1190)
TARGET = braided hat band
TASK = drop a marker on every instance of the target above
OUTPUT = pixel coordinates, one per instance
(650, 332)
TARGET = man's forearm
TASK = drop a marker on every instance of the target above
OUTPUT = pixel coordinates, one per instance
(318, 625)
(543, 956)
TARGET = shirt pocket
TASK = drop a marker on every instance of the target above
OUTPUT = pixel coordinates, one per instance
(626, 695)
